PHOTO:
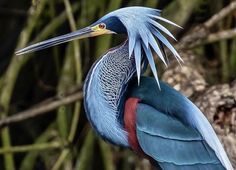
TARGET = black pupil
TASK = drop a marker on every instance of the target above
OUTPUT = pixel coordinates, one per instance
(102, 26)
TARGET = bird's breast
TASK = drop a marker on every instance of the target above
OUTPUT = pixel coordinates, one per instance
(104, 91)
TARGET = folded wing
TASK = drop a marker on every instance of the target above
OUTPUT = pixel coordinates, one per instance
(173, 131)
(171, 143)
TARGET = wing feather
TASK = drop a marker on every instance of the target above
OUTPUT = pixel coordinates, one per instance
(172, 104)
(168, 140)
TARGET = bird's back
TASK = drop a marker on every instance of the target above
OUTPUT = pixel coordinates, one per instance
(164, 132)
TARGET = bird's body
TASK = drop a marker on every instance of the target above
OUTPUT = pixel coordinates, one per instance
(137, 112)
(158, 117)
(163, 124)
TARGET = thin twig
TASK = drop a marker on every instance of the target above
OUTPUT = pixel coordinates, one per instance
(78, 72)
(220, 15)
(35, 147)
(86, 152)
(10, 78)
(107, 155)
(201, 32)
(60, 159)
(222, 35)
(78, 69)
(12, 12)
(52, 26)
(214, 37)
(68, 92)
(31, 158)
(41, 109)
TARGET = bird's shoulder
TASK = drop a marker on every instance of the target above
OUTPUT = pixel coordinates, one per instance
(165, 99)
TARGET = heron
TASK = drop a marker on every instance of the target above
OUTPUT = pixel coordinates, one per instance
(138, 112)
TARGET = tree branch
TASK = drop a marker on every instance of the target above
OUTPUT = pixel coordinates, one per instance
(222, 14)
(41, 108)
(200, 33)
(26, 148)
(214, 37)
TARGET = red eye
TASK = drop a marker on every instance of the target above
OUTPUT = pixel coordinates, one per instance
(102, 26)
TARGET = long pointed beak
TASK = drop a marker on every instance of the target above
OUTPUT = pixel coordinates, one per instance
(82, 33)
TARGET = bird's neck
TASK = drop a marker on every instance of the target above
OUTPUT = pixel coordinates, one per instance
(104, 92)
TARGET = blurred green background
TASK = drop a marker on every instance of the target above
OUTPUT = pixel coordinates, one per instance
(62, 139)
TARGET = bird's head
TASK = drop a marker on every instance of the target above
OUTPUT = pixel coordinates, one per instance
(142, 26)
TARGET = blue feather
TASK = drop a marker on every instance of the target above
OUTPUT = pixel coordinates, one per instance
(138, 22)
(152, 64)
(167, 43)
(137, 54)
(143, 32)
(162, 28)
(171, 103)
(165, 20)
(132, 40)
(156, 48)
(163, 51)
(166, 139)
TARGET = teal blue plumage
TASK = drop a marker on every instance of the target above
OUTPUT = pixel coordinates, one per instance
(162, 125)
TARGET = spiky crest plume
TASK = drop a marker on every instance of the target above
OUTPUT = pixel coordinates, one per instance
(145, 32)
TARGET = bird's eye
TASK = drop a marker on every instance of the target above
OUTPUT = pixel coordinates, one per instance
(102, 26)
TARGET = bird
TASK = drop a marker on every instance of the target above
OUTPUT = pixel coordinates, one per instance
(137, 112)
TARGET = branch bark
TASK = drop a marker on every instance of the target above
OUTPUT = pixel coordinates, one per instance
(26, 148)
(200, 33)
(214, 37)
(42, 108)
(222, 14)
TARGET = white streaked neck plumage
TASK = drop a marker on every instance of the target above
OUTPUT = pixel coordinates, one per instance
(104, 91)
